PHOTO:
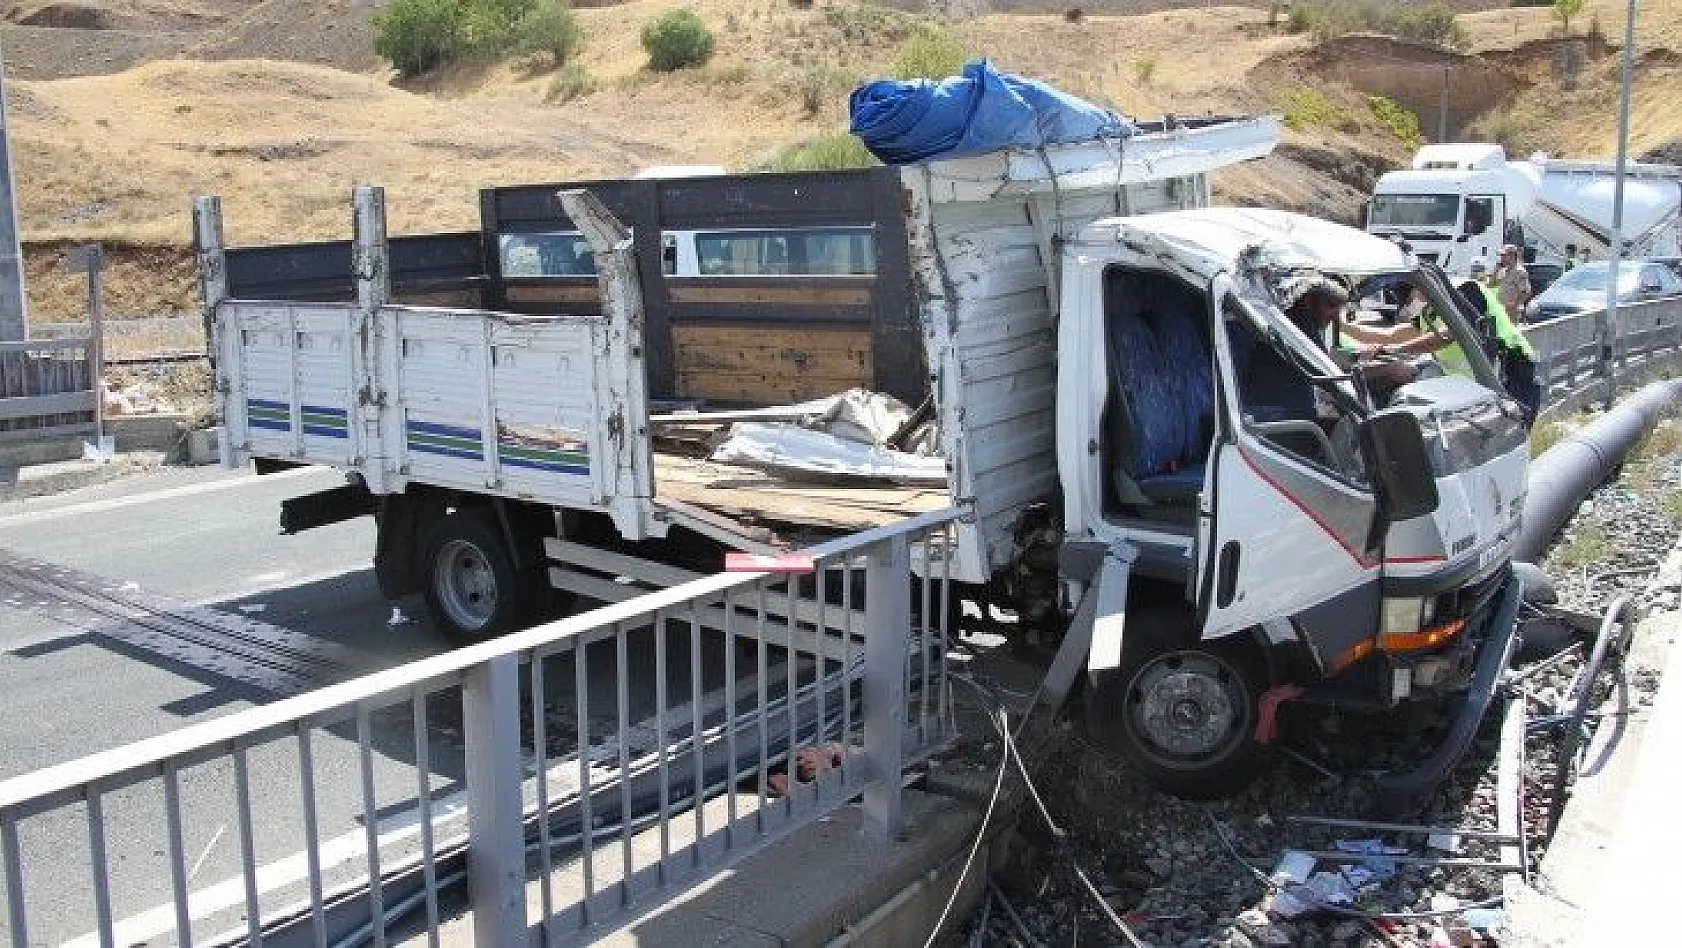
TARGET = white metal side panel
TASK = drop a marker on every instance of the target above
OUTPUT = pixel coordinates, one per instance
(987, 272)
(289, 372)
(542, 388)
(441, 392)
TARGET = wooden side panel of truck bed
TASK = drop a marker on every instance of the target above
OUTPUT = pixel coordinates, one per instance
(736, 339)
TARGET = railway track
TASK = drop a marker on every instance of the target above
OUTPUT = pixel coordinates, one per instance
(231, 646)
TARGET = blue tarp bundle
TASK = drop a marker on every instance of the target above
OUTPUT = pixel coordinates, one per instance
(984, 110)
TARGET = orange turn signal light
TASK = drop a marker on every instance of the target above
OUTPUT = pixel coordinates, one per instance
(1398, 642)
(1423, 639)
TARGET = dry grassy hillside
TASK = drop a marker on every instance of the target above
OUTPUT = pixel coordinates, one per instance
(116, 156)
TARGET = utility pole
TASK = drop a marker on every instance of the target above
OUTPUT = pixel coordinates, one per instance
(1442, 110)
(14, 322)
(1609, 316)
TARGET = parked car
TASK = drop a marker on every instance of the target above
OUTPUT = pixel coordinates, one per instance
(1584, 288)
(1673, 263)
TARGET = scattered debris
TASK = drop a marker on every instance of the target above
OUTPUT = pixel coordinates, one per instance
(844, 436)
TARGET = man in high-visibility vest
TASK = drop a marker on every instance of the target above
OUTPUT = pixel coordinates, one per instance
(1506, 345)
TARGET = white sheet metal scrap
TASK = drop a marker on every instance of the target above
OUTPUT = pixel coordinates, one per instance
(847, 440)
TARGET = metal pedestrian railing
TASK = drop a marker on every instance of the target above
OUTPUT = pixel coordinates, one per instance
(568, 775)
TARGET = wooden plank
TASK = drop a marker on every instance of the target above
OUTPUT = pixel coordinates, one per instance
(793, 295)
(808, 338)
(34, 406)
(840, 354)
(554, 293)
(767, 365)
(443, 299)
(748, 390)
(742, 493)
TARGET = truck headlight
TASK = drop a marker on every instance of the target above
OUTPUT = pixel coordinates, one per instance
(1402, 615)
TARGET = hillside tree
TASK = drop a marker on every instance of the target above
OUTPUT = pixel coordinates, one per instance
(1565, 10)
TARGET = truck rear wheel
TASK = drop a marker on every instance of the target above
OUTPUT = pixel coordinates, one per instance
(473, 590)
(1182, 711)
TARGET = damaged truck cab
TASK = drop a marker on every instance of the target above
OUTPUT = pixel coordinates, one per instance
(1354, 555)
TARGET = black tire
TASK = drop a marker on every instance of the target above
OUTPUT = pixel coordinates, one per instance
(1182, 711)
(473, 591)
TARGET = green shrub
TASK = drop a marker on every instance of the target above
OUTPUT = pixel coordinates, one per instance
(1144, 67)
(866, 24)
(569, 83)
(817, 86)
(675, 40)
(418, 35)
(549, 30)
(929, 53)
(1432, 23)
(1307, 108)
(489, 24)
(1402, 123)
(1567, 10)
(834, 152)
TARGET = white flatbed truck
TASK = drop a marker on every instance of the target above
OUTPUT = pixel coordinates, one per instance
(1088, 328)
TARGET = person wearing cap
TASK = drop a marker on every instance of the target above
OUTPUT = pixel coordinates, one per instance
(1272, 388)
(1512, 281)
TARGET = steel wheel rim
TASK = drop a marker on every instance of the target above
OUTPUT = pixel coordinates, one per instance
(1187, 709)
(466, 584)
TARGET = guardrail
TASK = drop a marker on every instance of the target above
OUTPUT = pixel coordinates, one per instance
(557, 751)
(47, 388)
(1568, 349)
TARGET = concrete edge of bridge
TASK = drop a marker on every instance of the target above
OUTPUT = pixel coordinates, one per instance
(1607, 876)
(831, 883)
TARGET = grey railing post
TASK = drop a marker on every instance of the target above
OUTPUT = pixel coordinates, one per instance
(496, 860)
(887, 611)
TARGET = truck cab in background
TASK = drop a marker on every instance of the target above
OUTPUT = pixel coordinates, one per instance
(1461, 202)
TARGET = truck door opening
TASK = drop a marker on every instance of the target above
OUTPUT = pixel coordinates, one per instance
(1159, 415)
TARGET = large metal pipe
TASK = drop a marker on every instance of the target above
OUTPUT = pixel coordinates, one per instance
(1566, 472)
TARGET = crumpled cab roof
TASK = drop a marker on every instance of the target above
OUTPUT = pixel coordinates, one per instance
(1210, 240)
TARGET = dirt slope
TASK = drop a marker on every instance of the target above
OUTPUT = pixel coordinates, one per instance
(115, 156)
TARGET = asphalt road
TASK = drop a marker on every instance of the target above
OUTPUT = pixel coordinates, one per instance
(73, 682)
(204, 537)
(205, 543)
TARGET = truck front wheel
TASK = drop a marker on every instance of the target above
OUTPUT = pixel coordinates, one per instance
(473, 590)
(1182, 711)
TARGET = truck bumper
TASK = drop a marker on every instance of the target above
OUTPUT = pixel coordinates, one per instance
(1400, 791)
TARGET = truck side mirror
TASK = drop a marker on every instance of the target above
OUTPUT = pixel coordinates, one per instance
(1402, 480)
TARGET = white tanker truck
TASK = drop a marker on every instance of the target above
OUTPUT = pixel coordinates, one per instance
(1458, 202)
